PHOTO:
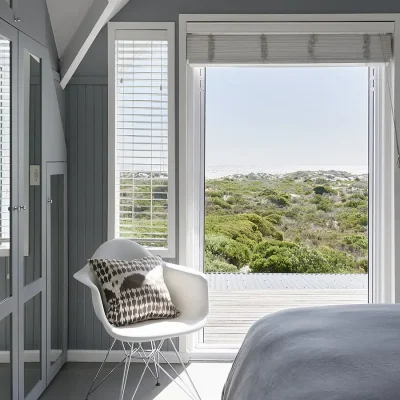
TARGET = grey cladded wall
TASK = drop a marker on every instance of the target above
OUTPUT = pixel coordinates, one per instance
(86, 125)
(88, 133)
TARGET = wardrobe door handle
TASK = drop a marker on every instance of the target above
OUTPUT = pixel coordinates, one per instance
(22, 208)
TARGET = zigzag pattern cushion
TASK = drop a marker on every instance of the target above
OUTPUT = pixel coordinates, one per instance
(135, 290)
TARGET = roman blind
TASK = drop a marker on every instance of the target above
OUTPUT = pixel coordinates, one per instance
(5, 143)
(288, 48)
(142, 137)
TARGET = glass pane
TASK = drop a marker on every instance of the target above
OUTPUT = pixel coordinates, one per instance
(5, 167)
(32, 166)
(57, 265)
(32, 342)
(5, 359)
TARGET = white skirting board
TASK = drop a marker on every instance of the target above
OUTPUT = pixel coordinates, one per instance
(91, 356)
(117, 356)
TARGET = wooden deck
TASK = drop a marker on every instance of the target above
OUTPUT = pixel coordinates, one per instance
(232, 312)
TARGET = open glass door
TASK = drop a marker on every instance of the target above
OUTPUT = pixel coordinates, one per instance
(8, 215)
(57, 274)
(282, 226)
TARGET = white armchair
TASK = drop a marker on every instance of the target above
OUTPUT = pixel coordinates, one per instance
(189, 293)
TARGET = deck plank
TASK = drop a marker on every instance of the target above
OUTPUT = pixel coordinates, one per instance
(232, 312)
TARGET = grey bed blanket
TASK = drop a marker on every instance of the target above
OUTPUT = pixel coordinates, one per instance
(323, 353)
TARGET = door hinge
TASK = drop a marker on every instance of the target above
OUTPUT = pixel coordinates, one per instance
(202, 80)
(372, 81)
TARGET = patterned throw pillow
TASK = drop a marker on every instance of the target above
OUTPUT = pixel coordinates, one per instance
(134, 290)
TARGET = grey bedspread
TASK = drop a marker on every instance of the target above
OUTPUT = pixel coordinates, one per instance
(323, 353)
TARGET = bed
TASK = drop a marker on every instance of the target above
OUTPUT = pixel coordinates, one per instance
(322, 353)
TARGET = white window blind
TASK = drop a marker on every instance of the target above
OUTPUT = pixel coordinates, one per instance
(5, 143)
(288, 48)
(142, 127)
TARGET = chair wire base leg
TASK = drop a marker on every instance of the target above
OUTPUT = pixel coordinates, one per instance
(156, 364)
(154, 356)
(126, 373)
(91, 390)
(148, 358)
(183, 365)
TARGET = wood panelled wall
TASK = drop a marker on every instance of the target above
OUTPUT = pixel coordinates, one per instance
(87, 143)
(86, 127)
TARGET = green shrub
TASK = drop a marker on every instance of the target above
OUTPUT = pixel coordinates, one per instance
(356, 203)
(234, 227)
(232, 252)
(355, 242)
(359, 196)
(266, 227)
(286, 257)
(220, 202)
(274, 218)
(339, 262)
(323, 203)
(279, 200)
(216, 265)
(214, 193)
(321, 190)
(353, 219)
(362, 264)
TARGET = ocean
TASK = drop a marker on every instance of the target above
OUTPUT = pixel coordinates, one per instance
(220, 171)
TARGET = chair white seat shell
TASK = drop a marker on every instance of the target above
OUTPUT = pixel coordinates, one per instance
(189, 293)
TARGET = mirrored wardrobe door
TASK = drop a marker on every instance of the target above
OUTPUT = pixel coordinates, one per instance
(32, 283)
(57, 274)
(8, 213)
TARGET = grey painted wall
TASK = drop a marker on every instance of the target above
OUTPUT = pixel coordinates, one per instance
(87, 181)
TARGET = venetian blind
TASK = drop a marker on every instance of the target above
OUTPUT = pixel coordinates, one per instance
(288, 48)
(141, 141)
(5, 142)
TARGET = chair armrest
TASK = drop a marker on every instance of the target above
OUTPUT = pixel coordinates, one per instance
(188, 289)
(87, 277)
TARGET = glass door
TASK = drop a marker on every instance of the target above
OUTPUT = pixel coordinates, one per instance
(32, 257)
(8, 214)
(57, 274)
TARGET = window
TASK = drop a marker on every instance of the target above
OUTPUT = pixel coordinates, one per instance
(141, 161)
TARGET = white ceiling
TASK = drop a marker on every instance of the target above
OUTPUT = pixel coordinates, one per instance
(65, 17)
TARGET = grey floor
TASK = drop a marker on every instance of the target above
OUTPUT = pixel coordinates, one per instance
(74, 379)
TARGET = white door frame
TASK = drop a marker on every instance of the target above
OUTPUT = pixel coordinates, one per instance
(29, 291)
(9, 305)
(387, 193)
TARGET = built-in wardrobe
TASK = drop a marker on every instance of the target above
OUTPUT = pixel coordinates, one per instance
(33, 227)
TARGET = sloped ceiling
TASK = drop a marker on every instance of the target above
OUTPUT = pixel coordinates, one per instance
(75, 24)
(66, 17)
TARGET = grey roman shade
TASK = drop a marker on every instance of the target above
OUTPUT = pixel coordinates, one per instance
(288, 48)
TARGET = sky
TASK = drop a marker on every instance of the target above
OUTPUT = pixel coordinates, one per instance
(271, 119)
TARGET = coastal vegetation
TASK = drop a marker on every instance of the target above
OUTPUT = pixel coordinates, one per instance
(301, 222)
